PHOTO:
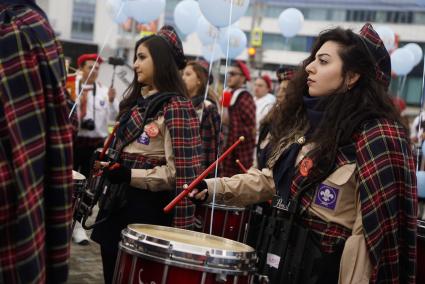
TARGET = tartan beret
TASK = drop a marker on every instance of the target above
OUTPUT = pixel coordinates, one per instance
(88, 56)
(244, 69)
(379, 53)
(284, 74)
(268, 81)
(169, 34)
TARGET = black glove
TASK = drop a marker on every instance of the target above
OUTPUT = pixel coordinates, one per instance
(202, 185)
(117, 175)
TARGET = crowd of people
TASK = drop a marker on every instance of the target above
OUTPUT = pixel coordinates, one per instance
(327, 146)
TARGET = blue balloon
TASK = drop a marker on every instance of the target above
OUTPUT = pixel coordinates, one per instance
(186, 15)
(206, 32)
(211, 52)
(144, 11)
(217, 12)
(420, 177)
(237, 41)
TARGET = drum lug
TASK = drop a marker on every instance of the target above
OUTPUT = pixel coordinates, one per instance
(221, 278)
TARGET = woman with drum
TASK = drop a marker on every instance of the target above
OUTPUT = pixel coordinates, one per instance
(195, 76)
(156, 150)
(342, 169)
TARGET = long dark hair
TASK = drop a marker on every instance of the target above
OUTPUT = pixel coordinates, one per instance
(166, 76)
(344, 111)
(202, 75)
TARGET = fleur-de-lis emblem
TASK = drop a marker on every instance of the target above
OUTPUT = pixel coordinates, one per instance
(327, 195)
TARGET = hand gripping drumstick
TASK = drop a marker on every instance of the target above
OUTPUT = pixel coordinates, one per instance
(187, 189)
(243, 169)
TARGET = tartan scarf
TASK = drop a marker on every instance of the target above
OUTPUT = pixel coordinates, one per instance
(283, 170)
(387, 185)
(183, 123)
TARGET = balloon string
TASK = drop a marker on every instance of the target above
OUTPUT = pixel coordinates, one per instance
(108, 35)
(420, 129)
(221, 112)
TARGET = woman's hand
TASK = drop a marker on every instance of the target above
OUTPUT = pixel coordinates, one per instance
(199, 195)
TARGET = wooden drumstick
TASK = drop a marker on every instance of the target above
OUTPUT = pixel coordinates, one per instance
(244, 170)
(193, 184)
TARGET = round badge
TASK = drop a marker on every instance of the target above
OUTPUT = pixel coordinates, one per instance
(152, 130)
(305, 166)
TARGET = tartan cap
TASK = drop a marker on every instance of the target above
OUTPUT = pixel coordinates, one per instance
(89, 56)
(284, 74)
(169, 34)
(379, 53)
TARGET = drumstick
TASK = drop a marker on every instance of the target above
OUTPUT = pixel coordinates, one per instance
(108, 142)
(244, 170)
(187, 189)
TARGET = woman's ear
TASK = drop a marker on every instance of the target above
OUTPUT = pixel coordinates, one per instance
(352, 79)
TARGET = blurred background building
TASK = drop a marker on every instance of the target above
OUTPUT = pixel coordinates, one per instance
(86, 25)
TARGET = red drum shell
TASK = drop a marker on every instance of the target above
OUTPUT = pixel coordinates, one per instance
(228, 222)
(176, 256)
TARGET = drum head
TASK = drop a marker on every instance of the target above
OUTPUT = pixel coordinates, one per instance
(189, 248)
(77, 176)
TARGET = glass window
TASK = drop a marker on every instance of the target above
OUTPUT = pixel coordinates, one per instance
(412, 90)
(278, 42)
(83, 15)
(419, 18)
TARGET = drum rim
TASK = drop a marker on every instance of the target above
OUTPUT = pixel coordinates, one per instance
(188, 253)
(77, 176)
(187, 265)
(225, 207)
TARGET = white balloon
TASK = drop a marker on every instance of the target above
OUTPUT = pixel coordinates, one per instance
(416, 50)
(290, 22)
(402, 61)
(420, 177)
(117, 14)
(211, 52)
(218, 11)
(186, 16)
(237, 41)
(206, 32)
(387, 36)
(144, 11)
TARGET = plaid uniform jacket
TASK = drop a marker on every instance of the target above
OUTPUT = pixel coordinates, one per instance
(387, 185)
(35, 151)
(242, 123)
(183, 123)
(210, 135)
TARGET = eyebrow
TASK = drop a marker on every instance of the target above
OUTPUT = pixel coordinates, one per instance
(323, 54)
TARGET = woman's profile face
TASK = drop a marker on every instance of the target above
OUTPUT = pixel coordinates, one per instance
(325, 71)
(191, 80)
(143, 66)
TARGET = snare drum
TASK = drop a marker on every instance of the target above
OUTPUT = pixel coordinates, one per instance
(228, 221)
(158, 254)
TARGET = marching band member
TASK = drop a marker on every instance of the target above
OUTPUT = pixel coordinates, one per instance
(195, 76)
(342, 169)
(157, 148)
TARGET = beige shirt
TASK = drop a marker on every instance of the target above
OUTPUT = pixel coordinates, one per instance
(258, 186)
(159, 178)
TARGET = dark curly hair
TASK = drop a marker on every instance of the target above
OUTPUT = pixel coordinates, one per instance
(344, 111)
